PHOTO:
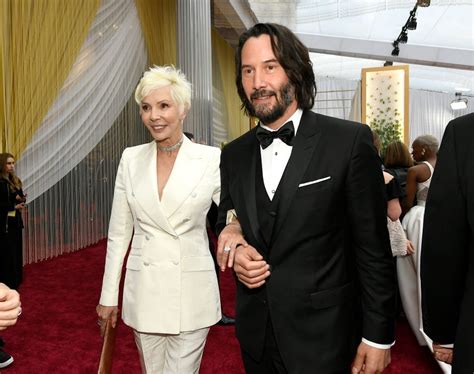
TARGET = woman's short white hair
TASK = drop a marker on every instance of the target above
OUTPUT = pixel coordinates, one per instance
(163, 76)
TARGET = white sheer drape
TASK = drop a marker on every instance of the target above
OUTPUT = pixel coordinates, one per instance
(334, 97)
(430, 112)
(101, 81)
(69, 167)
(219, 109)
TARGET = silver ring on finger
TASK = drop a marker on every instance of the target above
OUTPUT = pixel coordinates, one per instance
(226, 249)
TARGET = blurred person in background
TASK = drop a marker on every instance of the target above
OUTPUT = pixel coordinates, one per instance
(397, 161)
(424, 149)
(12, 202)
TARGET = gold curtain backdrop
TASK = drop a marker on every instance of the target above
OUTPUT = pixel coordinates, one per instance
(237, 122)
(158, 20)
(4, 26)
(49, 50)
(73, 67)
(40, 42)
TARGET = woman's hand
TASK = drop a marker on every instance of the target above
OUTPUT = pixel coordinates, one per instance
(20, 198)
(20, 206)
(443, 354)
(104, 313)
(229, 239)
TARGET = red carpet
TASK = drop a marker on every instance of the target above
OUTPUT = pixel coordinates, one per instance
(57, 332)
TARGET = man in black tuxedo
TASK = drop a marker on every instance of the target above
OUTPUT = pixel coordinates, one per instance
(447, 256)
(316, 277)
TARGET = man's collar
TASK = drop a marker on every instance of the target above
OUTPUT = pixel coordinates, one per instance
(295, 118)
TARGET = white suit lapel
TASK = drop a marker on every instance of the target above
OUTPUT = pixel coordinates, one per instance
(145, 186)
(187, 172)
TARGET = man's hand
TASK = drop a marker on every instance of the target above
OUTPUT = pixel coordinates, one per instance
(230, 238)
(104, 313)
(250, 267)
(370, 360)
(410, 248)
(10, 306)
(443, 354)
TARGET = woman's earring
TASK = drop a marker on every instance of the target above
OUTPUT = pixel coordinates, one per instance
(423, 152)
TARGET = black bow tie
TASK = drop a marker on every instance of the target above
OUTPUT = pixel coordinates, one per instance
(285, 133)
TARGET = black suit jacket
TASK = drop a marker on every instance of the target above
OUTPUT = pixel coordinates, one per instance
(447, 257)
(332, 276)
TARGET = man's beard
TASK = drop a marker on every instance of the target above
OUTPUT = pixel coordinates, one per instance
(267, 114)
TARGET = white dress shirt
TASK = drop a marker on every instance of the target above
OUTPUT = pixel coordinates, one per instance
(276, 156)
(274, 160)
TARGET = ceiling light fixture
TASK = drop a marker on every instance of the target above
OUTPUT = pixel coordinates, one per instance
(403, 37)
(423, 3)
(459, 102)
(462, 89)
(396, 50)
(410, 24)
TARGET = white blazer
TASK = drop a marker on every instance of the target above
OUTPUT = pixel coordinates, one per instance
(170, 282)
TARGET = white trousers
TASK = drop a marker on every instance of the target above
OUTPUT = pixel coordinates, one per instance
(171, 354)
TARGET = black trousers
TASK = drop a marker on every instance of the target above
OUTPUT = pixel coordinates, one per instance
(11, 255)
(271, 361)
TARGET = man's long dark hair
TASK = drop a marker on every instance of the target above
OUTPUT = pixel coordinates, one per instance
(292, 55)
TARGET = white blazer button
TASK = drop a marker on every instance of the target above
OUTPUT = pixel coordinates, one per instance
(175, 262)
(194, 194)
(147, 237)
(146, 264)
(175, 237)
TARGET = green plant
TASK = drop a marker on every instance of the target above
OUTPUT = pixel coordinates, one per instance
(388, 130)
(383, 116)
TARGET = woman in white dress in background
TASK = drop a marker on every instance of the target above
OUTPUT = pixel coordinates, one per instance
(424, 150)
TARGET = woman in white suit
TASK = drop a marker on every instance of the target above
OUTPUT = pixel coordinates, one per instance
(162, 194)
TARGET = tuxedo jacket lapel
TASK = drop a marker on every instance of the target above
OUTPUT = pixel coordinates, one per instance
(248, 182)
(304, 145)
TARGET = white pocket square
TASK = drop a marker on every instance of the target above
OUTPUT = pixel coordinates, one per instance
(315, 181)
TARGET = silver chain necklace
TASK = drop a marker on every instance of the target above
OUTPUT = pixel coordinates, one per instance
(171, 148)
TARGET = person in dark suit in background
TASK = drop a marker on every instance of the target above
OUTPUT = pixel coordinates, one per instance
(12, 203)
(316, 281)
(447, 257)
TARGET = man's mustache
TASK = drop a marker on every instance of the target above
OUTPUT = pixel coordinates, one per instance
(260, 93)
